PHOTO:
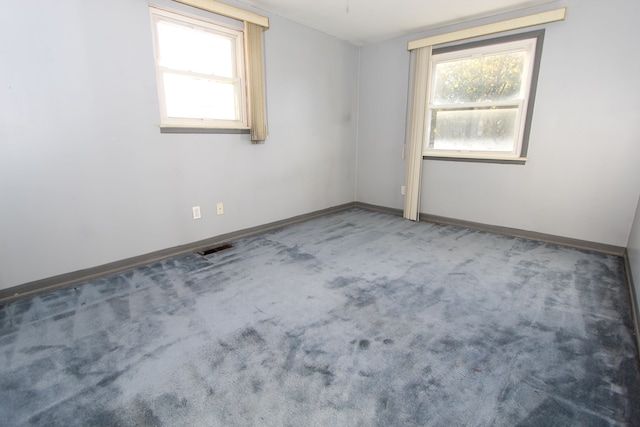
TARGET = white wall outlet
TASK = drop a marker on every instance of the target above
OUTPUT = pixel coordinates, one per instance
(403, 190)
(220, 208)
(196, 212)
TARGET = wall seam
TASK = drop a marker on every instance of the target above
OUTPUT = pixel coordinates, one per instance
(357, 144)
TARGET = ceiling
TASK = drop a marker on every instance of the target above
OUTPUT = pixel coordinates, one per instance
(364, 22)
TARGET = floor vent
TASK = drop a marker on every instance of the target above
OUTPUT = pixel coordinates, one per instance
(208, 251)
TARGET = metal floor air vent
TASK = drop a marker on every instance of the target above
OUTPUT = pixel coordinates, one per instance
(208, 251)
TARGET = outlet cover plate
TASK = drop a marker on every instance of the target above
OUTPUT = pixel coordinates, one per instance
(196, 212)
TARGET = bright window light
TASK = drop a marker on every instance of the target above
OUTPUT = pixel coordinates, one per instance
(479, 98)
(200, 72)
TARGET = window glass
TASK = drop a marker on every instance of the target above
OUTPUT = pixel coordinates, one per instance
(182, 48)
(480, 98)
(474, 129)
(496, 77)
(193, 97)
(200, 72)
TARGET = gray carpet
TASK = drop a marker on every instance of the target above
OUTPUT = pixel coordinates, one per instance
(357, 318)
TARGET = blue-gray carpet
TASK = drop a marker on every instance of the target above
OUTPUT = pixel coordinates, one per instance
(357, 318)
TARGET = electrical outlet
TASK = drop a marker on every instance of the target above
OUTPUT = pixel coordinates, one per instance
(196, 212)
(220, 208)
(403, 190)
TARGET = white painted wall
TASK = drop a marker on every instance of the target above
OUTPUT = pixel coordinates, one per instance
(633, 252)
(86, 178)
(582, 179)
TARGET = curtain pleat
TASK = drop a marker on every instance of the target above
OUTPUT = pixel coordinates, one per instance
(420, 90)
(255, 82)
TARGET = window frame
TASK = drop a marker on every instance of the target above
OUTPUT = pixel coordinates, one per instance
(491, 45)
(177, 124)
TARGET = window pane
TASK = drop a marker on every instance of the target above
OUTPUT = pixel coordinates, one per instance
(190, 97)
(181, 48)
(474, 129)
(488, 78)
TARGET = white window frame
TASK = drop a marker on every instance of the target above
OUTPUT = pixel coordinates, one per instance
(239, 79)
(531, 43)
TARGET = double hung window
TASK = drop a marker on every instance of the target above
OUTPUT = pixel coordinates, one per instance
(200, 72)
(481, 98)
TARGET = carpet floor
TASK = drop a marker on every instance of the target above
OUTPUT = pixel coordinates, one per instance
(357, 318)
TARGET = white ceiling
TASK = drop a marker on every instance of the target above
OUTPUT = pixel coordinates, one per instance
(369, 21)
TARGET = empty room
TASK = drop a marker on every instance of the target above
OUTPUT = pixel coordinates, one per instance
(319, 213)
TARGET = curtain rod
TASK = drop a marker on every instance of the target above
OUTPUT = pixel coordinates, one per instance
(497, 27)
(229, 11)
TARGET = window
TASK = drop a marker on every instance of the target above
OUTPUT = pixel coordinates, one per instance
(200, 73)
(481, 97)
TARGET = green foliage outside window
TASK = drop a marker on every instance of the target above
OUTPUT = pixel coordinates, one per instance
(486, 79)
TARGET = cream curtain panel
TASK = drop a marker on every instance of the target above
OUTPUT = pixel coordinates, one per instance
(255, 82)
(421, 49)
(422, 58)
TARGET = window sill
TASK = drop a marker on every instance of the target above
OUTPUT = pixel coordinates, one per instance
(187, 129)
(478, 159)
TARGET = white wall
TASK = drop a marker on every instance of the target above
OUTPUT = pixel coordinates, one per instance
(633, 252)
(581, 180)
(86, 178)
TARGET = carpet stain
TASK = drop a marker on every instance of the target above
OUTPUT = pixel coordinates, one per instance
(353, 318)
(341, 282)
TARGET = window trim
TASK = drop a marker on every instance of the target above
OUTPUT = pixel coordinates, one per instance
(420, 53)
(521, 149)
(188, 125)
(547, 17)
(228, 10)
